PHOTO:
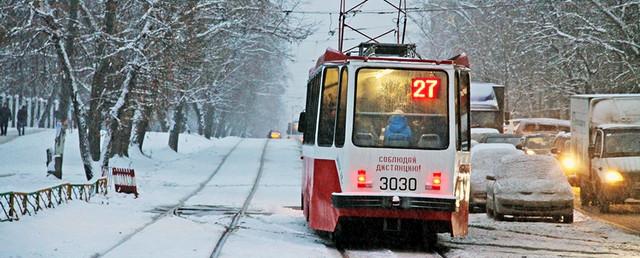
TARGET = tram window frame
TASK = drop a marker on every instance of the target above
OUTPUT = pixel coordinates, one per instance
(456, 88)
(311, 109)
(464, 132)
(327, 119)
(447, 107)
(341, 119)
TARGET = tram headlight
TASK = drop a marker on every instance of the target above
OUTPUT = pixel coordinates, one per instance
(530, 152)
(613, 177)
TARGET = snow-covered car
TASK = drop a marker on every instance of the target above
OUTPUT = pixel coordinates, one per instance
(477, 133)
(500, 138)
(541, 125)
(529, 186)
(484, 159)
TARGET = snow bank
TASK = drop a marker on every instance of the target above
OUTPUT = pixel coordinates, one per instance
(23, 159)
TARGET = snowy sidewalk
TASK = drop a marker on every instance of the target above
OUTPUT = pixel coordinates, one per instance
(12, 133)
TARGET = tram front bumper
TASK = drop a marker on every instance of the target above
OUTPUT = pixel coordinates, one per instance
(388, 202)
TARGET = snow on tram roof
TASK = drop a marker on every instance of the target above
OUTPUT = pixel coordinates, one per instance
(332, 56)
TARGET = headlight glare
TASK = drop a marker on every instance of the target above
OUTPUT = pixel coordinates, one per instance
(569, 163)
(613, 176)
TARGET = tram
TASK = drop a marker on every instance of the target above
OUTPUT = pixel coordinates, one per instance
(385, 141)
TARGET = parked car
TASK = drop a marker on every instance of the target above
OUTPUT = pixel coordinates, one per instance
(484, 159)
(500, 138)
(527, 126)
(274, 134)
(529, 186)
(536, 144)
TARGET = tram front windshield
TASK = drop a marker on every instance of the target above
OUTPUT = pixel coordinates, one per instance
(401, 108)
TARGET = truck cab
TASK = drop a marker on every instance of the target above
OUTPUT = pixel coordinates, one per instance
(616, 160)
(606, 141)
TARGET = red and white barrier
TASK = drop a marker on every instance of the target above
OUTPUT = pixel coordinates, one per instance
(124, 180)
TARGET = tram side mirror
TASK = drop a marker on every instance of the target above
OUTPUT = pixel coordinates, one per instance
(519, 146)
(301, 122)
(491, 178)
(555, 151)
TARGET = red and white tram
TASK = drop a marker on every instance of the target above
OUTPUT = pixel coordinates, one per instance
(386, 138)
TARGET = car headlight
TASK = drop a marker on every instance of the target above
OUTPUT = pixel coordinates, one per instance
(569, 163)
(613, 176)
(531, 152)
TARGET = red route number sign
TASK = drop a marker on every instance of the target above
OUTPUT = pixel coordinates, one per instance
(425, 88)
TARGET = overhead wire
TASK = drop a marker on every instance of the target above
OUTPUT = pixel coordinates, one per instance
(418, 9)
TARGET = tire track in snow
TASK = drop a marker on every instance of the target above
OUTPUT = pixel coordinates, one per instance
(171, 210)
(536, 234)
(531, 248)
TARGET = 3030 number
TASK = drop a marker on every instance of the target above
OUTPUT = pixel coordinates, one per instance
(394, 183)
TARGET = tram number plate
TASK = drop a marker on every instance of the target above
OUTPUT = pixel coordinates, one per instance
(395, 183)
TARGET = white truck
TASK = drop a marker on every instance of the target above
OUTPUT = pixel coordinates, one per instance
(488, 106)
(605, 140)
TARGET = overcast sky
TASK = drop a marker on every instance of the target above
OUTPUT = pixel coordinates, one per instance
(307, 52)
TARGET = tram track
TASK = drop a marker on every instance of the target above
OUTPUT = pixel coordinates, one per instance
(172, 208)
(240, 213)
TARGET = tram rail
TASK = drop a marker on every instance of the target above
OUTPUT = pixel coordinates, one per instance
(240, 213)
(173, 208)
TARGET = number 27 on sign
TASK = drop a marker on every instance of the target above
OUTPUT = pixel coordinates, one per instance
(424, 88)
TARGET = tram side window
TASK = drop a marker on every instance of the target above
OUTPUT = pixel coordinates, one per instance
(328, 107)
(464, 133)
(342, 108)
(313, 88)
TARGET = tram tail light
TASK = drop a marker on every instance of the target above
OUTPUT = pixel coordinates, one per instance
(436, 181)
(362, 179)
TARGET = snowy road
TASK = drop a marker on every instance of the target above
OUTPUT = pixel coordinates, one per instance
(273, 225)
(623, 216)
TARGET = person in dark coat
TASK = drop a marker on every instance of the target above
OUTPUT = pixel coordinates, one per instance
(5, 116)
(22, 119)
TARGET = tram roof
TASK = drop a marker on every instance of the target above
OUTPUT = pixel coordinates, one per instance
(332, 56)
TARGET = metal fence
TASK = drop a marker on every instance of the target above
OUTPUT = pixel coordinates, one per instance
(17, 204)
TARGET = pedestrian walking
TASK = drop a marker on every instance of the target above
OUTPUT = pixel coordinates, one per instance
(22, 119)
(5, 116)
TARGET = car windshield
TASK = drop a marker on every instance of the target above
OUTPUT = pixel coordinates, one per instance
(538, 142)
(622, 143)
(401, 108)
(510, 140)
